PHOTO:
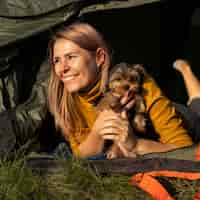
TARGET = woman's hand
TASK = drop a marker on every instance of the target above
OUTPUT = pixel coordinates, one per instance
(110, 126)
(127, 101)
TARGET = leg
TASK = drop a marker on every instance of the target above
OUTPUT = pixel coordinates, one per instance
(192, 84)
(194, 105)
(191, 119)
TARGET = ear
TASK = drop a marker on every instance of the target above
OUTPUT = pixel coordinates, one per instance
(100, 56)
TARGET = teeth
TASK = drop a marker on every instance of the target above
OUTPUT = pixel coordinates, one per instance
(68, 78)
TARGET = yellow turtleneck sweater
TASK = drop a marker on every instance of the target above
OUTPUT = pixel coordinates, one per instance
(166, 121)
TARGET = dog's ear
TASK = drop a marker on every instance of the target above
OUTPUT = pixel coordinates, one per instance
(140, 69)
(117, 72)
(119, 68)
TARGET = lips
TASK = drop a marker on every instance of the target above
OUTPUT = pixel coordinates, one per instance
(67, 77)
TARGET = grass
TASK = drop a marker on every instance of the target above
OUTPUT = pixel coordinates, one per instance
(78, 181)
(18, 182)
(180, 188)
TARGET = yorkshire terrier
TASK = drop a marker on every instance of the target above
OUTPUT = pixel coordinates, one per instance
(125, 78)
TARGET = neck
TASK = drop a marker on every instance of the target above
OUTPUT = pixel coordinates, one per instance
(93, 92)
(90, 86)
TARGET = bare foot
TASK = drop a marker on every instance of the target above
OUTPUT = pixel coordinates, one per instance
(181, 65)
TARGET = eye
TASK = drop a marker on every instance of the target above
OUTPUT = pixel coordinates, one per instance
(55, 61)
(70, 56)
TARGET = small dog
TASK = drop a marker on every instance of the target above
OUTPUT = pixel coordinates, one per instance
(122, 78)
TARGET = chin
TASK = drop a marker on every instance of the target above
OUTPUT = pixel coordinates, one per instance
(73, 88)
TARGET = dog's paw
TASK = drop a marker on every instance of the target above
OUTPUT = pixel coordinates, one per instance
(111, 154)
(114, 152)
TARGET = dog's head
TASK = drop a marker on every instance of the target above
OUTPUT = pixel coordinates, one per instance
(126, 77)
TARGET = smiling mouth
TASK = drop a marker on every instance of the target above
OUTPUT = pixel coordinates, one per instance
(68, 78)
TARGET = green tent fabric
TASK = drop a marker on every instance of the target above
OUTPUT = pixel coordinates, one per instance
(15, 29)
(30, 8)
(21, 19)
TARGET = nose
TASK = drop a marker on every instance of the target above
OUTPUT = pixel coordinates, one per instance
(65, 67)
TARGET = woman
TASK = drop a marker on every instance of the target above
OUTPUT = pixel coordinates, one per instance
(80, 61)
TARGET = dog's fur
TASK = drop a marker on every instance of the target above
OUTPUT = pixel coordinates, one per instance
(124, 78)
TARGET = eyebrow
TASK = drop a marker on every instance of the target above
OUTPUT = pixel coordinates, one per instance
(66, 54)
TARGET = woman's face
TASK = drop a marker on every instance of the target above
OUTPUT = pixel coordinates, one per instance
(75, 66)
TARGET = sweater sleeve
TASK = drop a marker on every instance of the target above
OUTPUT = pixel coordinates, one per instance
(74, 145)
(76, 139)
(166, 121)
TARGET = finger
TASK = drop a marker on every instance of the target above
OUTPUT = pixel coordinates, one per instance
(112, 119)
(112, 130)
(122, 124)
(116, 135)
(124, 115)
(128, 95)
(130, 104)
(122, 131)
(110, 137)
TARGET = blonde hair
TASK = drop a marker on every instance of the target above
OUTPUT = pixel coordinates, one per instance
(62, 104)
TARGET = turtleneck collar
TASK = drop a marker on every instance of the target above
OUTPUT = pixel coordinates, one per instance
(93, 93)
